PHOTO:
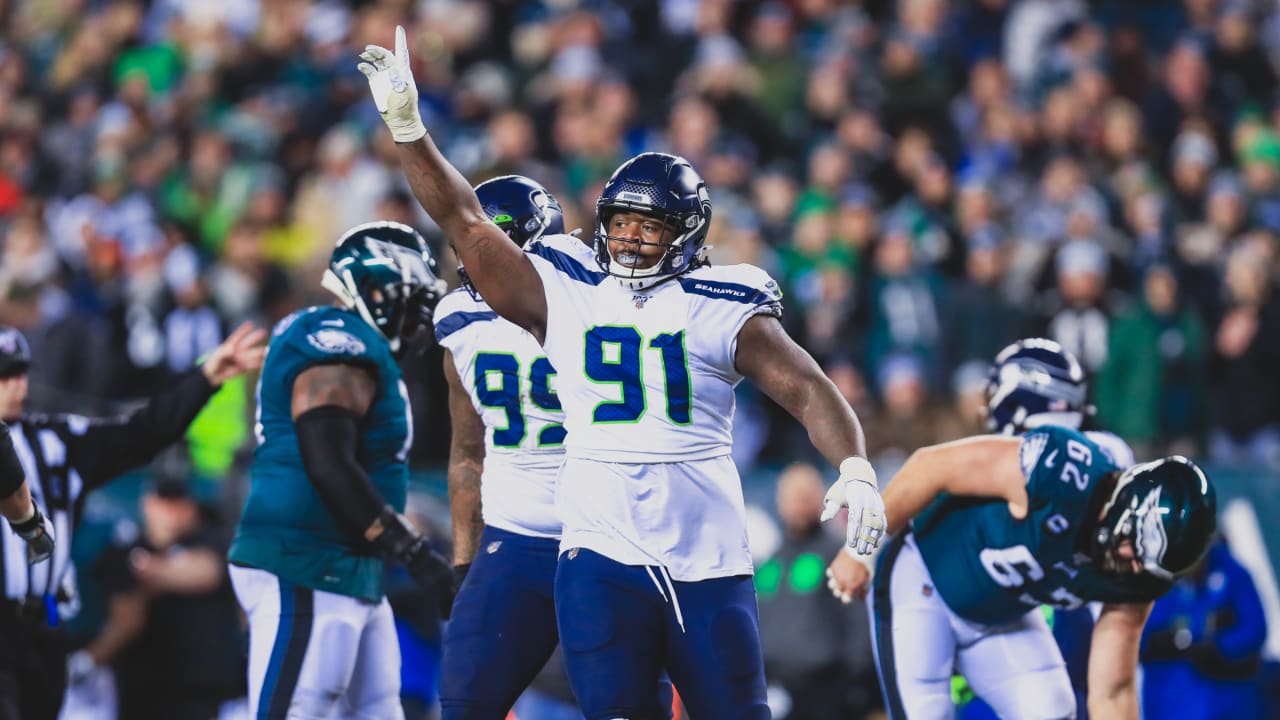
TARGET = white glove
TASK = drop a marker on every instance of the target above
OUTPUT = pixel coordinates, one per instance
(80, 666)
(394, 91)
(857, 490)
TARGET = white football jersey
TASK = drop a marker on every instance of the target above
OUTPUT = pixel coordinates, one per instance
(512, 387)
(1115, 448)
(646, 377)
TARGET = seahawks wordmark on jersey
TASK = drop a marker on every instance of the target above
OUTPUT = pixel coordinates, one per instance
(646, 379)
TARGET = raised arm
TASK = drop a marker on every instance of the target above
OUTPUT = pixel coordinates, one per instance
(1113, 661)
(499, 269)
(466, 463)
(102, 449)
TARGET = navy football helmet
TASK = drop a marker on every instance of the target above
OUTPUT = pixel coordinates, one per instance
(384, 271)
(15, 353)
(1035, 382)
(523, 208)
(1165, 511)
(666, 188)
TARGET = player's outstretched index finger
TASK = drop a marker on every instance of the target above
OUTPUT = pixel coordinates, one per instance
(402, 45)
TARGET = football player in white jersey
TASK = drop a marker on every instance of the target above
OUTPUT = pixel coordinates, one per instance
(654, 570)
(506, 452)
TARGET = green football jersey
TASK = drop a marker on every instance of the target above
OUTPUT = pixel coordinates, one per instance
(992, 568)
(286, 528)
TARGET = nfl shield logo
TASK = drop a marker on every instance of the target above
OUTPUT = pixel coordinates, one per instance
(640, 300)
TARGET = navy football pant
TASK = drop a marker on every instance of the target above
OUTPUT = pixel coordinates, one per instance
(620, 625)
(503, 626)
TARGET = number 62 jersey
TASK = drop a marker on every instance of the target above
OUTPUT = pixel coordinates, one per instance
(991, 568)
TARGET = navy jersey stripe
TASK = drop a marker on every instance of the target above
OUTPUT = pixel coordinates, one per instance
(454, 322)
(883, 609)
(567, 265)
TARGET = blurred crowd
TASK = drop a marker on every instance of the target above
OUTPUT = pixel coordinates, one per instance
(927, 180)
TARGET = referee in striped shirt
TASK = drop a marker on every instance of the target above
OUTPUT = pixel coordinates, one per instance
(62, 457)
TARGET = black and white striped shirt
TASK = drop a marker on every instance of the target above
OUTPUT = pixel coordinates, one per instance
(65, 456)
(58, 490)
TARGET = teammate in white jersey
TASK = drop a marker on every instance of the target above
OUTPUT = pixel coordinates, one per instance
(507, 448)
(654, 569)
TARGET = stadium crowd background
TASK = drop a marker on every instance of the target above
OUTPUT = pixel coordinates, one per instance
(927, 179)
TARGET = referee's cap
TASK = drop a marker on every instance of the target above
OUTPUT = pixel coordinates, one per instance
(15, 353)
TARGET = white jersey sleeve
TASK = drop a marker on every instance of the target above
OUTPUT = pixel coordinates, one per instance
(1115, 448)
(722, 299)
(511, 386)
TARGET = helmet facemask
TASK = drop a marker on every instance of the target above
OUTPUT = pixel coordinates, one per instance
(678, 252)
(397, 296)
(663, 187)
(1131, 519)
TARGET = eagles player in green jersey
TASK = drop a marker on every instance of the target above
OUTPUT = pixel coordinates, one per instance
(1001, 525)
(328, 484)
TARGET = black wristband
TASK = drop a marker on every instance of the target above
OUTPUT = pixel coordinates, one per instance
(397, 541)
(28, 527)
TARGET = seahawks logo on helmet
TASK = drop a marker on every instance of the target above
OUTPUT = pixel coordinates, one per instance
(522, 208)
(336, 342)
(1035, 382)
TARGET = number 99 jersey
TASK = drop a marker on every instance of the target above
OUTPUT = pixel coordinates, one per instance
(512, 387)
(991, 568)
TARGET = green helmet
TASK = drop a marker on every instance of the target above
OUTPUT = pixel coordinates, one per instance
(1166, 509)
(384, 271)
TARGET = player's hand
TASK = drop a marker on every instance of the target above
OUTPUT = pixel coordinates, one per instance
(241, 352)
(394, 91)
(848, 577)
(398, 540)
(38, 532)
(80, 667)
(857, 490)
(433, 574)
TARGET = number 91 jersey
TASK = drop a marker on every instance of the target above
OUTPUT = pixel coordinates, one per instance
(647, 376)
(991, 567)
(512, 387)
